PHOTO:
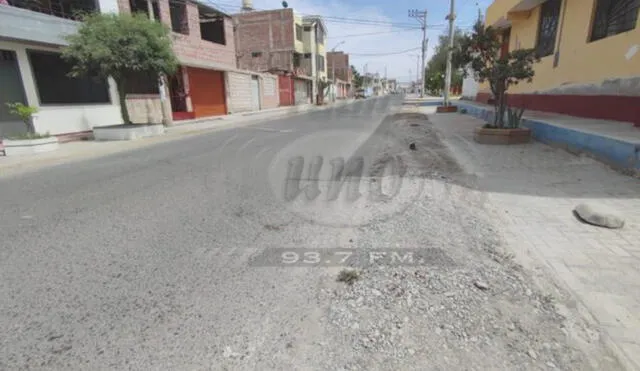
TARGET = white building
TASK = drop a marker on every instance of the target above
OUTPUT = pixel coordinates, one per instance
(32, 72)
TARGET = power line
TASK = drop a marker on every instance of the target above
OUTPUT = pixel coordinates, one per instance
(375, 33)
(383, 54)
(327, 19)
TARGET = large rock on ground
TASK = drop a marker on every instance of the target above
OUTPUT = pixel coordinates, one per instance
(598, 215)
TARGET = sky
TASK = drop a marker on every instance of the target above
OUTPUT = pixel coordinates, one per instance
(387, 28)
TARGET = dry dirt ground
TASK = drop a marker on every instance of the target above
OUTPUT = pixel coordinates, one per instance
(466, 305)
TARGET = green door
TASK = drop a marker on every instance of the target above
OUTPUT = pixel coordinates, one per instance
(11, 91)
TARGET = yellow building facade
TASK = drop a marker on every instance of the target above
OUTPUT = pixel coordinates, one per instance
(589, 49)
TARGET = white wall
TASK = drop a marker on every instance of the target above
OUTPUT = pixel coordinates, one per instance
(239, 92)
(469, 86)
(108, 6)
(62, 119)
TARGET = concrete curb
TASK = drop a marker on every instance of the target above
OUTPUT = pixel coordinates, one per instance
(622, 155)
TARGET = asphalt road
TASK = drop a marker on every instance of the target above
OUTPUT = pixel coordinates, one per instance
(140, 260)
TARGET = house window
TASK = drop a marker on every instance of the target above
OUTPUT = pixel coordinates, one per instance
(506, 37)
(58, 8)
(548, 27)
(298, 32)
(142, 83)
(296, 59)
(54, 85)
(307, 55)
(211, 26)
(179, 19)
(141, 6)
(320, 62)
(613, 17)
(307, 28)
(256, 54)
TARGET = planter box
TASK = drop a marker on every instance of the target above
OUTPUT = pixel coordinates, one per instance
(29, 146)
(502, 136)
(446, 109)
(127, 132)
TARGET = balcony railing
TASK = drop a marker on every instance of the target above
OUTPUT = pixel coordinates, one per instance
(69, 9)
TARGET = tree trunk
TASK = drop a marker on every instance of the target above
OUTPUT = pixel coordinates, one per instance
(501, 103)
(30, 127)
(122, 97)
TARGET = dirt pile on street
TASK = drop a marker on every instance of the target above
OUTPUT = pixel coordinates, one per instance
(477, 311)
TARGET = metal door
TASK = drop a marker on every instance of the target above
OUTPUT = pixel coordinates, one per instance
(11, 91)
(207, 92)
(255, 93)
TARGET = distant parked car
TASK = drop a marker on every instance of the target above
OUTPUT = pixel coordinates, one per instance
(360, 94)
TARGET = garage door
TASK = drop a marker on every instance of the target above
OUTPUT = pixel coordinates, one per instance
(207, 92)
(285, 85)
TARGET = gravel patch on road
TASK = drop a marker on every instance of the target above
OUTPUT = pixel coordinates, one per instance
(470, 307)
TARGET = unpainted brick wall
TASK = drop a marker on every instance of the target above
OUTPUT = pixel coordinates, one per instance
(342, 67)
(269, 34)
(191, 46)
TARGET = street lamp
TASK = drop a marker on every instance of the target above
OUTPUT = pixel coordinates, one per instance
(333, 71)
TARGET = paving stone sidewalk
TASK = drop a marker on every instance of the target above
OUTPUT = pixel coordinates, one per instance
(532, 190)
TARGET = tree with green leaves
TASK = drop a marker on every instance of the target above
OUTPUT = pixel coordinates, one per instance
(437, 65)
(120, 46)
(357, 77)
(481, 51)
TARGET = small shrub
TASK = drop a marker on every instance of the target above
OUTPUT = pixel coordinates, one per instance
(24, 113)
(514, 117)
(348, 276)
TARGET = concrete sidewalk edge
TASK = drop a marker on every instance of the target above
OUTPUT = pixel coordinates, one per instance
(624, 156)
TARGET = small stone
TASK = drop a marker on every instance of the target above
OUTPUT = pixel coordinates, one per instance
(449, 294)
(598, 215)
(532, 354)
(551, 365)
(411, 351)
(412, 146)
(481, 285)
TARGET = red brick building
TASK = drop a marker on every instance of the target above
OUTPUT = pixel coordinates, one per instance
(273, 41)
(204, 42)
(339, 62)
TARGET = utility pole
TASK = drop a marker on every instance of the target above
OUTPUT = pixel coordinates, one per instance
(421, 16)
(447, 82)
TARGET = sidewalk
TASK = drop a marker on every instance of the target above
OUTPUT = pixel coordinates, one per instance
(531, 191)
(612, 142)
(83, 150)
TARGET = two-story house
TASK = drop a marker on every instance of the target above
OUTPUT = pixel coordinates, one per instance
(281, 41)
(339, 72)
(589, 50)
(32, 72)
(208, 83)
